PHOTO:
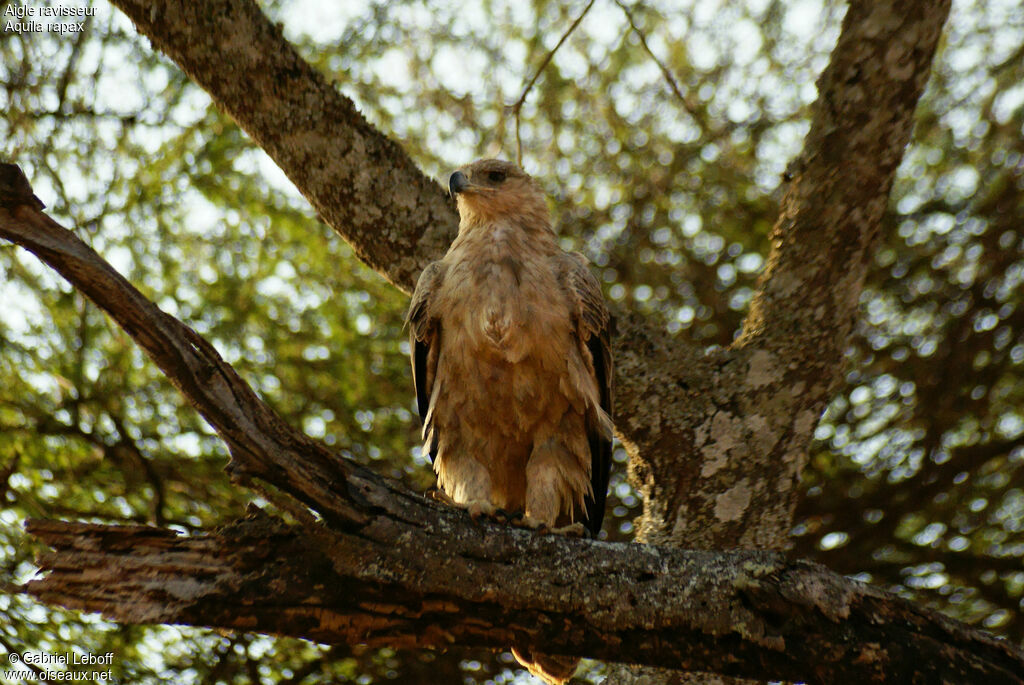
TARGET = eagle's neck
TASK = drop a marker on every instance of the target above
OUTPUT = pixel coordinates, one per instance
(519, 234)
(527, 212)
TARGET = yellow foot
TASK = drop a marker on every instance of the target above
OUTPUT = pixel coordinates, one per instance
(479, 508)
(439, 495)
(574, 530)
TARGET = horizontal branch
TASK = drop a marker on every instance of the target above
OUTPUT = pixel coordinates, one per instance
(743, 613)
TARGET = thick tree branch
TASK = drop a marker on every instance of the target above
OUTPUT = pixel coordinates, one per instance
(739, 613)
(769, 390)
(839, 185)
(360, 181)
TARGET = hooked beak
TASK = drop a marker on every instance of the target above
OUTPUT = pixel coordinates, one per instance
(457, 183)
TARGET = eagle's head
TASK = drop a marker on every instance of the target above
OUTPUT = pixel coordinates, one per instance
(491, 190)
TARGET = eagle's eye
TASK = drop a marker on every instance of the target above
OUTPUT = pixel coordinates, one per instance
(496, 176)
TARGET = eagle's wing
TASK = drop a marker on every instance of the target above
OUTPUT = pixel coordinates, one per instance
(593, 324)
(424, 348)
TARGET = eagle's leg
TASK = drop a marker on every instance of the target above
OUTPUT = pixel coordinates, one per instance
(547, 491)
(465, 483)
(476, 508)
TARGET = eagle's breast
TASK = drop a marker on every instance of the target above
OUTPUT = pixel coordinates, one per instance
(502, 297)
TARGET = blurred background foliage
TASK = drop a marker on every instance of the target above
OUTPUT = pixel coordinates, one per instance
(661, 131)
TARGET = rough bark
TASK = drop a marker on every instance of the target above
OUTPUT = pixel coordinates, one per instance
(772, 386)
(742, 613)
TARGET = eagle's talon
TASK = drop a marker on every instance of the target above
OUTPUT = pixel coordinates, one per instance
(476, 508)
(479, 509)
(505, 516)
(439, 495)
(532, 523)
(573, 530)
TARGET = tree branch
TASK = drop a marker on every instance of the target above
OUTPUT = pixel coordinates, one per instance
(360, 181)
(770, 389)
(517, 106)
(738, 613)
(260, 442)
(839, 185)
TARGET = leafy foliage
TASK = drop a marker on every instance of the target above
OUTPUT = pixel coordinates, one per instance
(669, 183)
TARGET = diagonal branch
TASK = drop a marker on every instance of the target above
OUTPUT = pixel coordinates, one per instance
(737, 613)
(666, 73)
(360, 181)
(517, 106)
(772, 385)
(261, 443)
(839, 185)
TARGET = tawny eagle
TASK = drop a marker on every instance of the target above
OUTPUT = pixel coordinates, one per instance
(512, 360)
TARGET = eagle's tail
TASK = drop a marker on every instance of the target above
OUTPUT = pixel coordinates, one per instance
(553, 670)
